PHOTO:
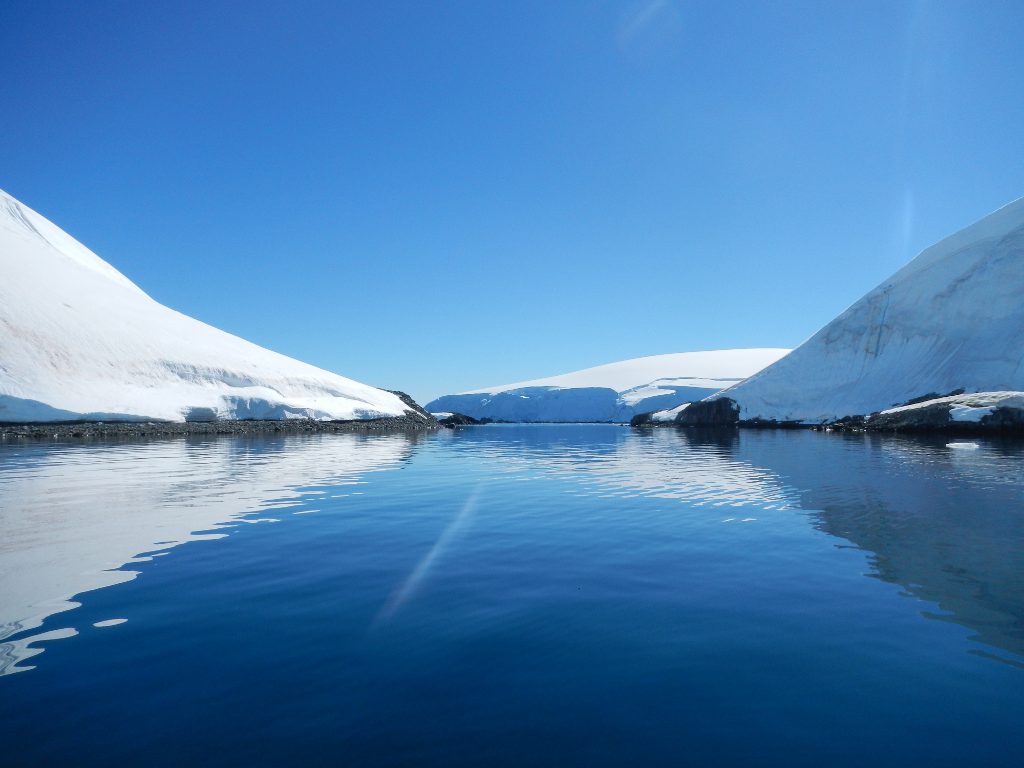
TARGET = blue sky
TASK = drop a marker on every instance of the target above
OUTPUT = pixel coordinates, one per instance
(440, 196)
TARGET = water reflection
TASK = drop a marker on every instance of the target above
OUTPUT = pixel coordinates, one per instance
(72, 516)
(699, 467)
(945, 524)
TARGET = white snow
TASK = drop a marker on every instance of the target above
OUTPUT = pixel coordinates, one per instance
(612, 392)
(952, 319)
(695, 369)
(79, 340)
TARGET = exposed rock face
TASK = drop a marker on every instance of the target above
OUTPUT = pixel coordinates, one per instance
(934, 416)
(416, 413)
(720, 412)
(977, 412)
(461, 420)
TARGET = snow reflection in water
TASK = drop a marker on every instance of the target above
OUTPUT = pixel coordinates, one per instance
(701, 468)
(943, 523)
(72, 516)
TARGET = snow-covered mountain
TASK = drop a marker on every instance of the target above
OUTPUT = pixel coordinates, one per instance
(80, 341)
(952, 319)
(612, 392)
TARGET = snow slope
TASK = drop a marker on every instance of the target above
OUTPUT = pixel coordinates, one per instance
(951, 319)
(612, 392)
(78, 340)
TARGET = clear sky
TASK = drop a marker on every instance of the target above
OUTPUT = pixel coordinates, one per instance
(438, 196)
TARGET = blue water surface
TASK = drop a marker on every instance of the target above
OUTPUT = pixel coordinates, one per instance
(587, 595)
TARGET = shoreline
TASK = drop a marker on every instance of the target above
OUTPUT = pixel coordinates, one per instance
(958, 430)
(108, 429)
(988, 413)
(85, 430)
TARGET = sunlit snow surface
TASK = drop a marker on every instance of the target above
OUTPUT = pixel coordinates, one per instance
(952, 319)
(614, 392)
(78, 340)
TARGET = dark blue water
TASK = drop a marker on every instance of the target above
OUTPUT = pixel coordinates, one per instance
(542, 595)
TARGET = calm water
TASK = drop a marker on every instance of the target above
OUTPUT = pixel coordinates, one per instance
(544, 595)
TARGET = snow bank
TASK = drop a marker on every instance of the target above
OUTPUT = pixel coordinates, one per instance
(951, 319)
(614, 392)
(79, 340)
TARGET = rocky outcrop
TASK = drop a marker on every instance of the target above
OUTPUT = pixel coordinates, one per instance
(720, 412)
(416, 412)
(978, 412)
(461, 420)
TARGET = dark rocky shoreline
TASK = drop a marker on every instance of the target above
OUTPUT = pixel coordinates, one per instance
(462, 420)
(131, 429)
(936, 419)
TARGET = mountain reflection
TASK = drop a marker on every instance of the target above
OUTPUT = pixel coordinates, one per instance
(945, 524)
(72, 516)
(702, 468)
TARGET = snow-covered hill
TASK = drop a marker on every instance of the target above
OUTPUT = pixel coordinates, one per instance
(80, 341)
(612, 392)
(952, 319)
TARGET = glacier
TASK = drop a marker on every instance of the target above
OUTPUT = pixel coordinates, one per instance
(614, 392)
(79, 341)
(949, 322)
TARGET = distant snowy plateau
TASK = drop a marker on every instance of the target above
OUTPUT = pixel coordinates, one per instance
(946, 331)
(614, 392)
(79, 341)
